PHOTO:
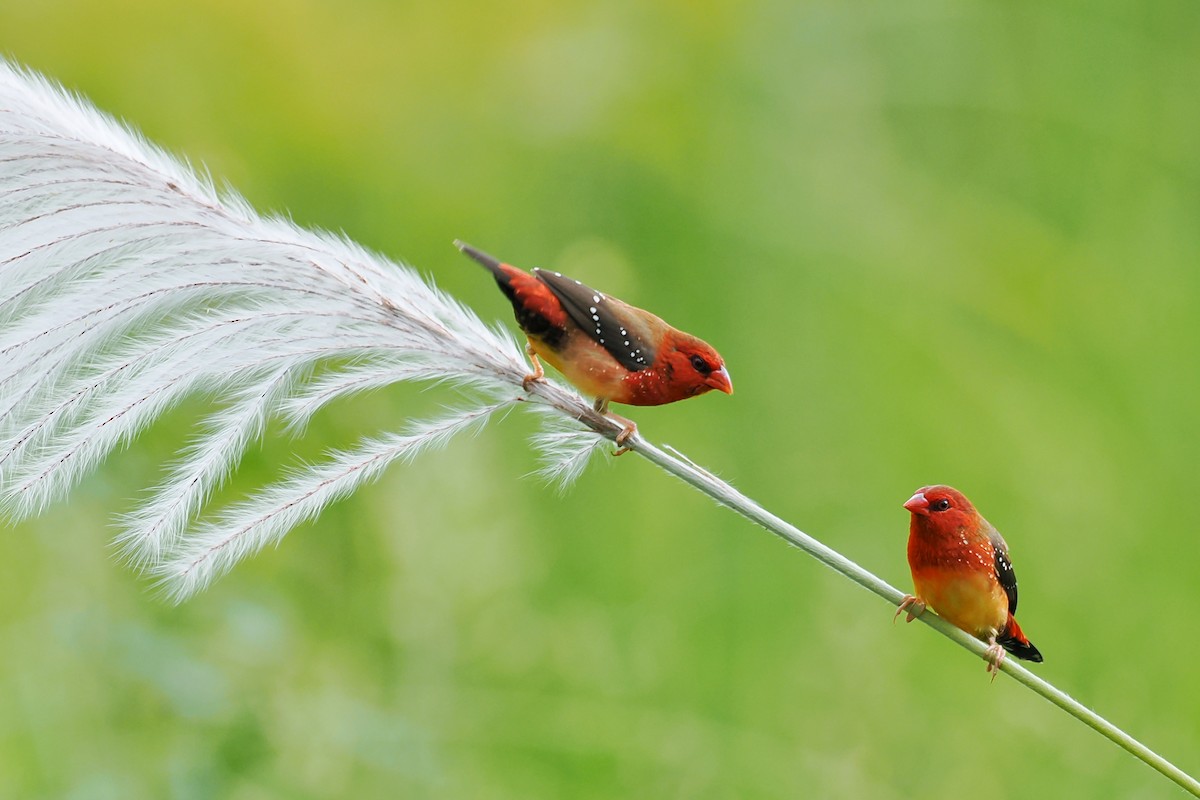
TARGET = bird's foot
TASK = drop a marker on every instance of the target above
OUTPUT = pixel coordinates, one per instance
(537, 374)
(628, 426)
(629, 430)
(915, 607)
(995, 657)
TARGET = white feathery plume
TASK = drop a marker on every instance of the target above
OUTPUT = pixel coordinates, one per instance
(152, 530)
(565, 450)
(248, 527)
(127, 282)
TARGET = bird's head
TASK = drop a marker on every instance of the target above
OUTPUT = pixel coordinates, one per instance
(694, 366)
(940, 507)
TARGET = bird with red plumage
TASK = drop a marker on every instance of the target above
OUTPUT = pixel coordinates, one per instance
(607, 349)
(961, 568)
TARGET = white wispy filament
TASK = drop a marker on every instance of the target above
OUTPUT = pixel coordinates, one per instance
(249, 526)
(127, 282)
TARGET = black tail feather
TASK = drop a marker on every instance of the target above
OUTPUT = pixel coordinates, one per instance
(492, 263)
(1021, 649)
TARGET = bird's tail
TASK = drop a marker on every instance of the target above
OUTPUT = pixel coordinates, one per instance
(1012, 639)
(493, 264)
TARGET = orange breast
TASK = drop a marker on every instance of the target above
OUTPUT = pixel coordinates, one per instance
(954, 572)
(970, 599)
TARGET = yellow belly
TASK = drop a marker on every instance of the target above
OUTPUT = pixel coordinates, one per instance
(972, 601)
(586, 366)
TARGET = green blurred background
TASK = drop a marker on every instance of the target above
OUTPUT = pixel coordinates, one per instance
(935, 242)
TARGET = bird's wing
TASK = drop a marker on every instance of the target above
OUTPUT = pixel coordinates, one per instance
(1004, 568)
(628, 334)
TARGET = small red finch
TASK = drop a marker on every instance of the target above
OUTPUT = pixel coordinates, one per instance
(605, 348)
(960, 566)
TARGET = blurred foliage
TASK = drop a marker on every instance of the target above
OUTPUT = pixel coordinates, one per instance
(936, 242)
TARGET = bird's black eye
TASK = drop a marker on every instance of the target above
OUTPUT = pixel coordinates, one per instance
(940, 505)
(700, 365)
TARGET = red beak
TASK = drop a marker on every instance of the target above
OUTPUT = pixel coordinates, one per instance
(720, 380)
(917, 503)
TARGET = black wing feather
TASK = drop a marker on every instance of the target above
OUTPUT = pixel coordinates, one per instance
(602, 318)
(1004, 570)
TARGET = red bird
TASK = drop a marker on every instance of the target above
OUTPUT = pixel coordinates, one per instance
(960, 566)
(605, 348)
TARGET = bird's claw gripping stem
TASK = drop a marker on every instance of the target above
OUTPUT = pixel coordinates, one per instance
(995, 657)
(915, 607)
(628, 429)
(537, 374)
